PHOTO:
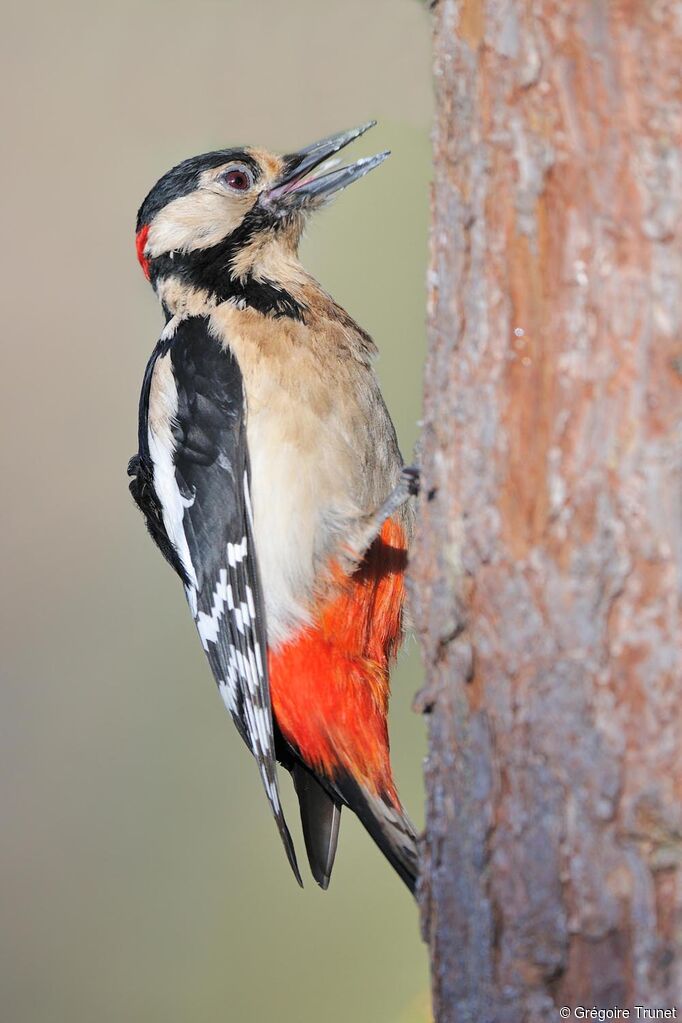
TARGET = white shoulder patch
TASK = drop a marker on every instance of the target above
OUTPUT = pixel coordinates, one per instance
(163, 406)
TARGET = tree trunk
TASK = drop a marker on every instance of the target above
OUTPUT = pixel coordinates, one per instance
(547, 572)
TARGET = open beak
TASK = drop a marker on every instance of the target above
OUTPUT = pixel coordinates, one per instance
(299, 183)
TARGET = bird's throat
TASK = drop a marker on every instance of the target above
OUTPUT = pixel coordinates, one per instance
(255, 267)
(191, 284)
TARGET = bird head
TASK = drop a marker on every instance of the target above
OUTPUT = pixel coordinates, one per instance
(214, 221)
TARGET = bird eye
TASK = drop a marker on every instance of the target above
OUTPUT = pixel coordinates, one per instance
(238, 178)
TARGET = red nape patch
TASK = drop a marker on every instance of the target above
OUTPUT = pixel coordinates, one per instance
(330, 685)
(140, 243)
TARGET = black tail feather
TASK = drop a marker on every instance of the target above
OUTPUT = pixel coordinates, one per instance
(320, 819)
(388, 825)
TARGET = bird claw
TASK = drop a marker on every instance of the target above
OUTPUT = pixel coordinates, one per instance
(411, 476)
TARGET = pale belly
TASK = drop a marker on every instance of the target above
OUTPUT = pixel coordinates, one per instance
(301, 482)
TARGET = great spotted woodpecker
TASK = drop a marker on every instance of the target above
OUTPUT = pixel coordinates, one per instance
(270, 477)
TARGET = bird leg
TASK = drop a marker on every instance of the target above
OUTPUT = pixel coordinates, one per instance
(369, 526)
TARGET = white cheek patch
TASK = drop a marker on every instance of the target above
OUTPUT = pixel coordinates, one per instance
(195, 221)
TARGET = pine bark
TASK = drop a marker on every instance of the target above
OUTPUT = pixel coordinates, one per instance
(547, 572)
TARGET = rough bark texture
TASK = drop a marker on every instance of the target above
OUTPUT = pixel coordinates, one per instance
(547, 572)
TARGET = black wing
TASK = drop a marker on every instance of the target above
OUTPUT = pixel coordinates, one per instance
(192, 481)
(141, 468)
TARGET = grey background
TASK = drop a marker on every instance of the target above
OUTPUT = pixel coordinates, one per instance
(141, 875)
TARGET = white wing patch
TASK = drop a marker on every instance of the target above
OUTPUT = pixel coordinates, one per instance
(243, 614)
(236, 552)
(209, 624)
(163, 405)
(229, 692)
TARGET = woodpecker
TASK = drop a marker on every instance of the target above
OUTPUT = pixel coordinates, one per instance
(270, 477)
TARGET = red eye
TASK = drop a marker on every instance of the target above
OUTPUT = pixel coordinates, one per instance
(238, 178)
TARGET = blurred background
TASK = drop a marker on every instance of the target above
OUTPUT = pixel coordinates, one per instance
(141, 874)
